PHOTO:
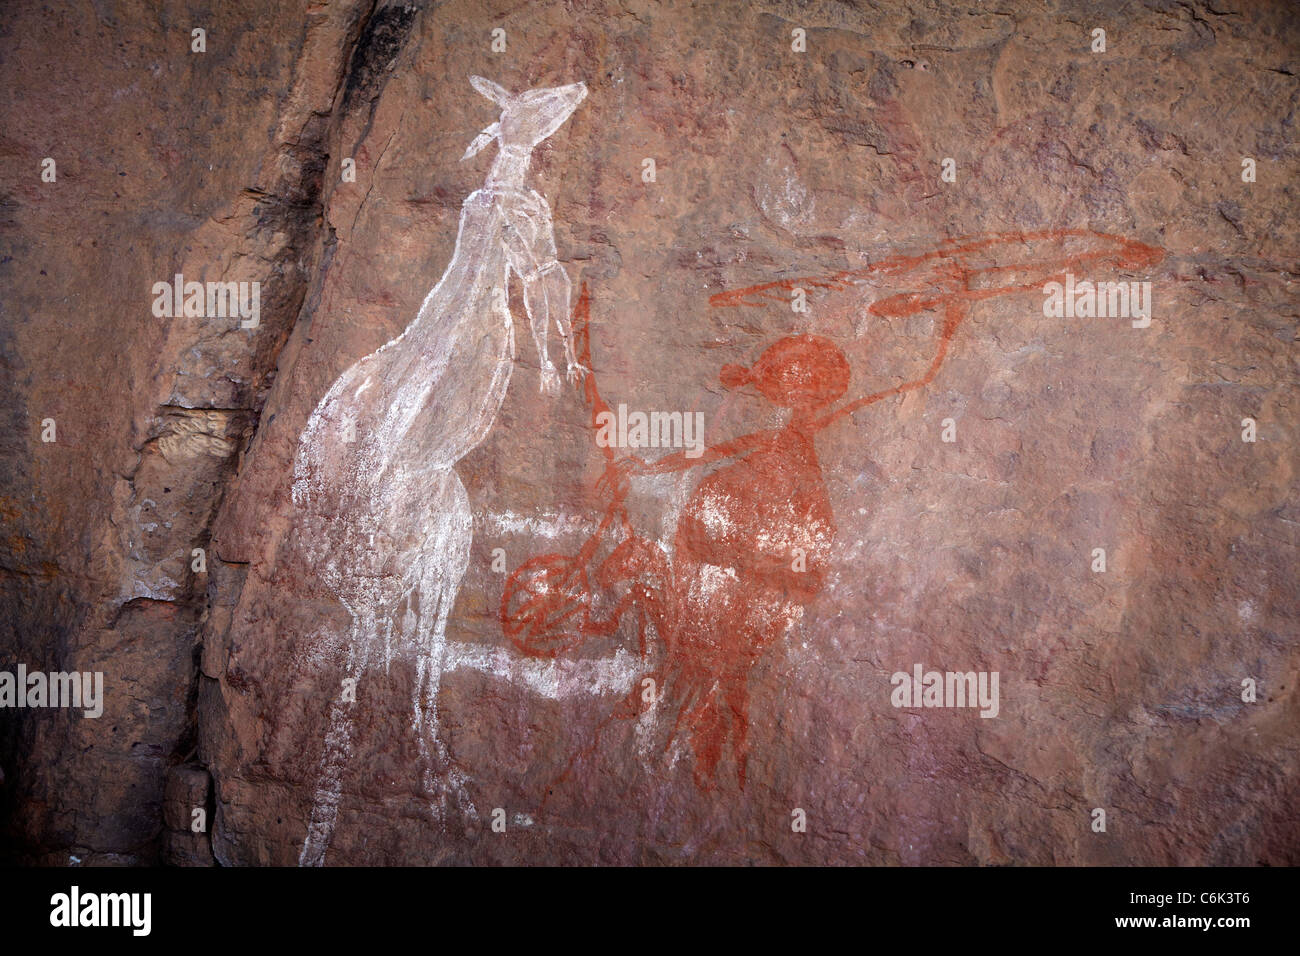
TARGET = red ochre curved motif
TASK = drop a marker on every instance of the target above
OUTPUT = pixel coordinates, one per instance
(751, 544)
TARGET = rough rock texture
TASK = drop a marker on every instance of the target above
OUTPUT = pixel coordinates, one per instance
(821, 169)
(187, 812)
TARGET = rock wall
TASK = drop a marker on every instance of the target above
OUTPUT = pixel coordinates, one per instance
(766, 212)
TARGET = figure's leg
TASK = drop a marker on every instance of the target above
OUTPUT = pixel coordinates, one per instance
(338, 747)
(717, 723)
(685, 689)
(706, 732)
(737, 704)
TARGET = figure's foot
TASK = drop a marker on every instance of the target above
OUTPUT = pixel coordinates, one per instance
(550, 384)
(577, 373)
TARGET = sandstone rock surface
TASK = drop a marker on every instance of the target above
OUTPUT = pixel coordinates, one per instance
(776, 171)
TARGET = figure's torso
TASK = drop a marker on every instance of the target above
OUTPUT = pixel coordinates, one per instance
(759, 514)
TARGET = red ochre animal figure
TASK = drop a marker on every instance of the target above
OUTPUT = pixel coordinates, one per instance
(752, 544)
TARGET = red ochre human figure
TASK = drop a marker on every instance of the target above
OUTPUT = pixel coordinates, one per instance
(752, 544)
(751, 549)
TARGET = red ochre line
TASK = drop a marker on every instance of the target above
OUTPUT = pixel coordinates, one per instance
(1138, 254)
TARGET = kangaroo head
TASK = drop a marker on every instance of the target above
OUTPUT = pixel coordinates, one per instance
(526, 118)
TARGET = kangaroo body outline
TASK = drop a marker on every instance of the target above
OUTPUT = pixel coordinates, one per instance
(382, 517)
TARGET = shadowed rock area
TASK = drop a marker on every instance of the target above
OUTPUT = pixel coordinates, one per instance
(826, 232)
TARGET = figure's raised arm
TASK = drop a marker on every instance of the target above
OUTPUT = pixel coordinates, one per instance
(955, 309)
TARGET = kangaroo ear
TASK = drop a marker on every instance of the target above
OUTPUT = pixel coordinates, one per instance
(481, 140)
(496, 93)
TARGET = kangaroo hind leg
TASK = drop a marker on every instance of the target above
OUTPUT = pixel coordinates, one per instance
(441, 566)
(337, 751)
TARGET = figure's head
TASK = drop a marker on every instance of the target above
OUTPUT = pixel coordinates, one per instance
(803, 372)
(526, 118)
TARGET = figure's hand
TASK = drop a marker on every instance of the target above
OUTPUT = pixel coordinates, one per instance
(550, 383)
(577, 373)
(617, 475)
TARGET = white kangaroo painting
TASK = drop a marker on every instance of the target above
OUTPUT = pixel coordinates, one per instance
(382, 516)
